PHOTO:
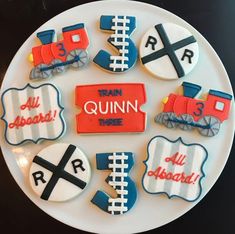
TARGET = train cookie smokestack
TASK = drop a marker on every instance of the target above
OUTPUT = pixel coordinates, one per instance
(46, 37)
(190, 90)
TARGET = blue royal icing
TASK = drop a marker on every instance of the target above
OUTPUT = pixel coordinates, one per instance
(120, 163)
(121, 28)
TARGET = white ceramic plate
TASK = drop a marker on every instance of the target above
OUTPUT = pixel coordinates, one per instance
(80, 212)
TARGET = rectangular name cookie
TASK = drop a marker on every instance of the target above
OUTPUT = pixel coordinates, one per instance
(110, 108)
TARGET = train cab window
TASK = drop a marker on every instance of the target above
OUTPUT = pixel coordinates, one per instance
(219, 106)
(75, 38)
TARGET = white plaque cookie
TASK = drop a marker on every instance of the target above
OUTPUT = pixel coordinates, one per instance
(33, 113)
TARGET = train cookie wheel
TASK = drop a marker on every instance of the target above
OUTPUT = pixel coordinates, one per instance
(79, 58)
(159, 118)
(210, 126)
(39, 73)
(168, 118)
(57, 66)
(185, 122)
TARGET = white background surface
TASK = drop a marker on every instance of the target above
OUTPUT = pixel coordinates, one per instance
(79, 212)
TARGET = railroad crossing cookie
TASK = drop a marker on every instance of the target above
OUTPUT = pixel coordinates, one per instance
(59, 172)
(169, 51)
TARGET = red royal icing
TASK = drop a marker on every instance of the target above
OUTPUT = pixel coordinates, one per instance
(176, 159)
(45, 54)
(163, 174)
(197, 108)
(21, 121)
(110, 108)
(32, 102)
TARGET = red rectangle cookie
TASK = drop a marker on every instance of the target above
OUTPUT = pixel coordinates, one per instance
(110, 108)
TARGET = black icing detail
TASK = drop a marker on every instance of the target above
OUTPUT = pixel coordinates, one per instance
(77, 163)
(169, 49)
(151, 41)
(38, 175)
(58, 172)
(188, 54)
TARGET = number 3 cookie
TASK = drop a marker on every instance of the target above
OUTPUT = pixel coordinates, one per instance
(120, 163)
(121, 28)
(59, 172)
(169, 51)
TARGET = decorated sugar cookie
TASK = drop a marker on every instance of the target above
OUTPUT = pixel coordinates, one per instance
(120, 163)
(186, 112)
(174, 168)
(121, 28)
(110, 108)
(59, 172)
(52, 58)
(169, 51)
(32, 114)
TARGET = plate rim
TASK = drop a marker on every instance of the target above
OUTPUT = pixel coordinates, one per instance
(218, 60)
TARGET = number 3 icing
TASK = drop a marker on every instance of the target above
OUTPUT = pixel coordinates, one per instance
(122, 27)
(120, 164)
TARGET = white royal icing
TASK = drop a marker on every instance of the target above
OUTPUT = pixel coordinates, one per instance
(168, 161)
(163, 67)
(119, 39)
(32, 114)
(120, 175)
(63, 189)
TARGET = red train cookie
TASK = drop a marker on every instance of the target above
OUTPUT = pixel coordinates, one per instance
(186, 112)
(51, 57)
